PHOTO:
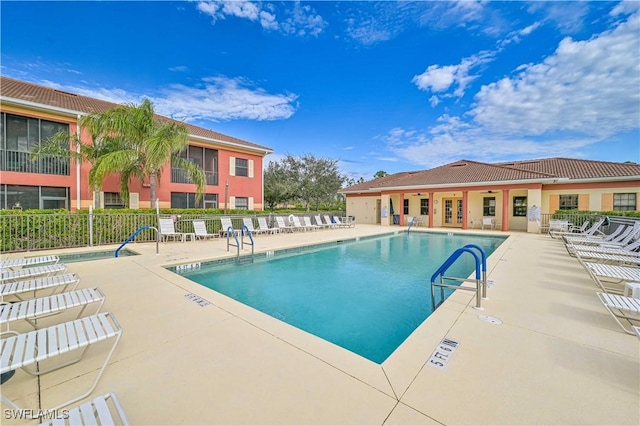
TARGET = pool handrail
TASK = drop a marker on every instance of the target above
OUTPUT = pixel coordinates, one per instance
(250, 238)
(231, 231)
(132, 236)
(480, 277)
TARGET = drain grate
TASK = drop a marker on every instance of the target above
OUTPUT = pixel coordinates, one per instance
(490, 319)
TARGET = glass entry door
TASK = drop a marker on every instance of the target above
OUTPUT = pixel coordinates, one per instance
(452, 212)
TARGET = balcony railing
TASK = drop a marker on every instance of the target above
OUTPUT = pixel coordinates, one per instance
(181, 176)
(18, 161)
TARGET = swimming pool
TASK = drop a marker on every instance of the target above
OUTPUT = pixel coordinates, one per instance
(94, 255)
(367, 295)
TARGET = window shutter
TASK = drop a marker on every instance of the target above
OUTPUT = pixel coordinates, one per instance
(232, 202)
(583, 202)
(134, 200)
(554, 203)
(250, 206)
(232, 166)
(98, 200)
(250, 170)
(606, 202)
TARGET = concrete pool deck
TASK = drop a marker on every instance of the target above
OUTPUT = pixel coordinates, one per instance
(557, 357)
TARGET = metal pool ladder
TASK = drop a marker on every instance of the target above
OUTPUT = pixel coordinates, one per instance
(240, 243)
(438, 278)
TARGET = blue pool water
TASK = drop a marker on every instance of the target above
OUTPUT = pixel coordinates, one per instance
(367, 296)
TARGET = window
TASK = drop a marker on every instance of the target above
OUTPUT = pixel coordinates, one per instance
(424, 206)
(187, 200)
(196, 154)
(112, 200)
(519, 206)
(406, 206)
(19, 136)
(242, 203)
(33, 197)
(242, 167)
(624, 202)
(489, 206)
(569, 202)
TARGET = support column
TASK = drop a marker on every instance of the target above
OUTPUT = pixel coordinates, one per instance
(465, 211)
(432, 205)
(402, 209)
(505, 209)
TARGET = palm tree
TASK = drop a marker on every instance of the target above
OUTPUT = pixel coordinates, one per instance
(140, 145)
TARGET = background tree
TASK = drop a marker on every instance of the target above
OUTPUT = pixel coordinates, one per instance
(379, 174)
(140, 145)
(279, 187)
(307, 179)
(319, 179)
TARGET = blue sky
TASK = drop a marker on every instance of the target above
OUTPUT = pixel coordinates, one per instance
(375, 85)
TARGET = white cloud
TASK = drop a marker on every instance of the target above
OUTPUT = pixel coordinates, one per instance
(588, 87)
(439, 78)
(221, 98)
(584, 93)
(179, 68)
(297, 20)
(216, 99)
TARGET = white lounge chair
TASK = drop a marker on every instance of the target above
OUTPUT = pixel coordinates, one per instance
(200, 229)
(611, 273)
(339, 223)
(577, 230)
(298, 225)
(103, 410)
(622, 236)
(33, 309)
(306, 221)
(9, 275)
(636, 329)
(168, 230)
(29, 350)
(282, 225)
(628, 250)
(54, 283)
(28, 261)
(621, 307)
(328, 221)
(248, 222)
(320, 223)
(264, 227)
(630, 259)
(227, 227)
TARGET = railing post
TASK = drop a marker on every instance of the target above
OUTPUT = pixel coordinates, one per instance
(91, 226)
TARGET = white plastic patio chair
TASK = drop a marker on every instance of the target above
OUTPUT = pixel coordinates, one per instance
(28, 261)
(168, 230)
(489, 222)
(615, 274)
(328, 221)
(35, 309)
(54, 283)
(30, 350)
(339, 223)
(103, 410)
(200, 229)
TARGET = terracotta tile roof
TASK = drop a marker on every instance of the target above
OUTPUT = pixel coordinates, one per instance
(48, 97)
(468, 172)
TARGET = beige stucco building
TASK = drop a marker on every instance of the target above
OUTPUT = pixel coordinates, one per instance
(510, 195)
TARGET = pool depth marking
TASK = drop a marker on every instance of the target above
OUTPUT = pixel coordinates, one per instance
(440, 357)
